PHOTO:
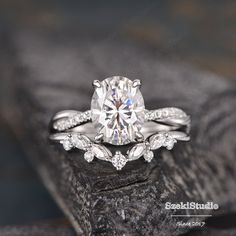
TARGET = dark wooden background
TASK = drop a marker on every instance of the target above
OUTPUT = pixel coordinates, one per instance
(202, 33)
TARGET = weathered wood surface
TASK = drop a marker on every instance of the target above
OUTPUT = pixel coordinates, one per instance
(212, 232)
(50, 74)
(55, 229)
(43, 229)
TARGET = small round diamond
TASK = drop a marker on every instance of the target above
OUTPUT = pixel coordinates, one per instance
(88, 156)
(67, 145)
(118, 160)
(148, 156)
(169, 142)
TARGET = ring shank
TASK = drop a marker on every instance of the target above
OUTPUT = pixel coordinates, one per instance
(147, 130)
(164, 120)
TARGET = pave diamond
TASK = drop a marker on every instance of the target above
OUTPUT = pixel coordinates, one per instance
(69, 122)
(118, 110)
(165, 113)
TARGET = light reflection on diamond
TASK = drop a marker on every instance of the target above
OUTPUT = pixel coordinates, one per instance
(118, 110)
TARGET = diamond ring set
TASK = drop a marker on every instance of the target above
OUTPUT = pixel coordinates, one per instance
(118, 118)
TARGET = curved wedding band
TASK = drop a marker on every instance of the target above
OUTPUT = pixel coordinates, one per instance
(118, 117)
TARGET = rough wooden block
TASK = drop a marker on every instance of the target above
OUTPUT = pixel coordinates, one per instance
(50, 73)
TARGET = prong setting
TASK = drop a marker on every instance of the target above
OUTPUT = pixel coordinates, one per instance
(139, 137)
(97, 84)
(99, 138)
(136, 83)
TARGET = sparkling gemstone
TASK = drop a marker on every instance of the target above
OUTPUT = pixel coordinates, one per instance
(67, 145)
(88, 156)
(157, 141)
(137, 151)
(80, 141)
(101, 152)
(118, 160)
(169, 142)
(118, 110)
(148, 156)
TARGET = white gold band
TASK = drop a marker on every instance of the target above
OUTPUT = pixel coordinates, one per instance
(175, 117)
(162, 128)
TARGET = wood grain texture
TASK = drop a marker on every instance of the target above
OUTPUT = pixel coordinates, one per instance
(52, 73)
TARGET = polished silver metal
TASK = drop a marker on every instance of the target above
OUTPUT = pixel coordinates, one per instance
(99, 138)
(58, 137)
(148, 129)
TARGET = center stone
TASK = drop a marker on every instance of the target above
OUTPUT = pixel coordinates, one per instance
(117, 110)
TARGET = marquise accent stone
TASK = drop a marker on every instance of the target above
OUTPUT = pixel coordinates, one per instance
(80, 141)
(157, 141)
(137, 151)
(101, 152)
(162, 140)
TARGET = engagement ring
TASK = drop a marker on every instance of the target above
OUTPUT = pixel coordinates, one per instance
(118, 117)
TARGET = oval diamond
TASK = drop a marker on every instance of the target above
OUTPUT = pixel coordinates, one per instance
(118, 110)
